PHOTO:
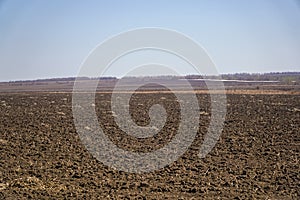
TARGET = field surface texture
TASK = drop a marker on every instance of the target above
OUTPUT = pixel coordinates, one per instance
(256, 157)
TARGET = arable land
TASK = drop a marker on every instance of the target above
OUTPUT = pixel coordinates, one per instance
(256, 157)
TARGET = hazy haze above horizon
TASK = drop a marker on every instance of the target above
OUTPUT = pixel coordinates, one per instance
(44, 39)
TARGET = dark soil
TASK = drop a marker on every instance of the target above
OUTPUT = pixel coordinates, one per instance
(257, 156)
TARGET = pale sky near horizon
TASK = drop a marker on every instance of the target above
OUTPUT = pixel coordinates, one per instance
(45, 39)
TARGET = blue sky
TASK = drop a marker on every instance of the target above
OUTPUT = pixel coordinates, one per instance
(41, 39)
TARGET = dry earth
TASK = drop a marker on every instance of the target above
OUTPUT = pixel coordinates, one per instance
(257, 156)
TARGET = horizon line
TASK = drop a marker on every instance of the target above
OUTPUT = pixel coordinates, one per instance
(147, 76)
